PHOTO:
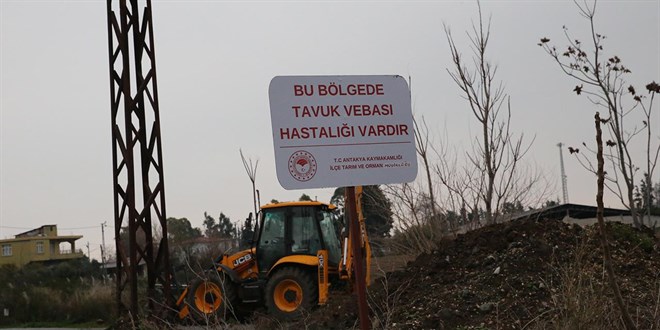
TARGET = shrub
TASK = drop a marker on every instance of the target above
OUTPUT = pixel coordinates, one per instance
(626, 233)
(64, 292)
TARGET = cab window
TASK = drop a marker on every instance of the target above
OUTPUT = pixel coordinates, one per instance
(330, 237)
(272, 245)
(304, 231)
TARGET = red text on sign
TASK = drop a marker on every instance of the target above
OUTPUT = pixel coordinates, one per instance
(300, 90)
(316, 111)
(351, 89)
(356, 110)
(334, 89)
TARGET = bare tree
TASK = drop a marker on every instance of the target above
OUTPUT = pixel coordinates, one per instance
(462, 184)
(460, 189)
(602, 80)
(497, 152)
(458, 199)
(251, 170)
(409, 220)
(607, 255)
(651, 155)
(422, 144)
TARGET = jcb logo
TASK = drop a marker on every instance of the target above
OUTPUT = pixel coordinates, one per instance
(242, 260)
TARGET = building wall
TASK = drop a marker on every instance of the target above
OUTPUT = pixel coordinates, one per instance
(23, 251)
(46, 230)
(26, 250)
(655, 220)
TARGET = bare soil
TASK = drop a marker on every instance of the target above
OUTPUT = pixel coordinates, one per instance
(531, 274)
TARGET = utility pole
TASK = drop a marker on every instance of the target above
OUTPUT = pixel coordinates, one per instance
(88, 255)
(103, 224)
(564, 183)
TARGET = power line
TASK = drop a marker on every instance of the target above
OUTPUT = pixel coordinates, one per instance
(89, 227)
(58, 228)
(14, 227)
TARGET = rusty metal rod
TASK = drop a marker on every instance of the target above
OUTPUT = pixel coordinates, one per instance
(358, 259)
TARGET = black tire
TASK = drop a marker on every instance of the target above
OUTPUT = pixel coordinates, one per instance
(291, 292)
(211, 298)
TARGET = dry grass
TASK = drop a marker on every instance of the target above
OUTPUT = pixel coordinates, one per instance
(581, 299)
(59, 294)
(383, 309)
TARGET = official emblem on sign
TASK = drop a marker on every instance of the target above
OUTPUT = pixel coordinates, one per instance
(302, 165)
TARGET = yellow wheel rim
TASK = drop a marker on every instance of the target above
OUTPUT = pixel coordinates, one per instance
(288, 295)
(208, 297)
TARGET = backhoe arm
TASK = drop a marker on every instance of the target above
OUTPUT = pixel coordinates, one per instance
(346, 264)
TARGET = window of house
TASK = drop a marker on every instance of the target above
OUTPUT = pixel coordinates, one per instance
(40, 247)
(6, 250)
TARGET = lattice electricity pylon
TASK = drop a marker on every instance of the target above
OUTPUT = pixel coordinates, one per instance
(136, 136)
(564, 179)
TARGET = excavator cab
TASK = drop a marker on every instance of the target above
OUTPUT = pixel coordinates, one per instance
(296, 229)
(297, 250)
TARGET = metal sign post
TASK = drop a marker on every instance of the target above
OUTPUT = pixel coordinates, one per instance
(358, 265)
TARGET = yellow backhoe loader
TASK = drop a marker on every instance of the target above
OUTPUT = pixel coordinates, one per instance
(295, 257)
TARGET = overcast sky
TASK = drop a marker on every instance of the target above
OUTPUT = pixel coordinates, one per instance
(215, 60)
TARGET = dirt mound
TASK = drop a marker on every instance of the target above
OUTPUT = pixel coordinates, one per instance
(533, 274)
